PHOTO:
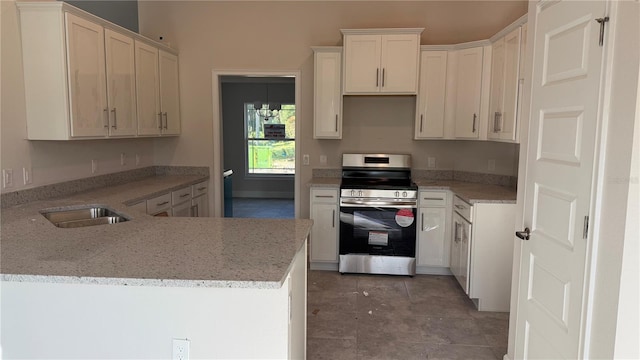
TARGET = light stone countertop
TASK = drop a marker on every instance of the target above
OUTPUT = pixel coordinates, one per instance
(472, 192)
(468, 191)
(155, 251)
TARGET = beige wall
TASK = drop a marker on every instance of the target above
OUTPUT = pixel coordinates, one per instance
(51, 161)
(278, 36)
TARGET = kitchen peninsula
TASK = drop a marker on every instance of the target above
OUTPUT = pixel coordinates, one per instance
(236, 288)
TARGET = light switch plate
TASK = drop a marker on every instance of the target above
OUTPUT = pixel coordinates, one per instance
(7, 178)
(94, 166)
(26, 175)
(431, 162)
(305, 159)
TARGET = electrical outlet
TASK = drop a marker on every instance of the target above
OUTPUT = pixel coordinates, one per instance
(26, 176)
(305, 159)
(7, 178)
(431, 162)
(323, 159)
(123, 159)
(137, 159)
(180, 349)
(94, 166)
(492, 165)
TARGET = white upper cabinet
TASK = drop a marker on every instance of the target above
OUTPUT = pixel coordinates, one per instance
(86, 68)
(80, 75)
(468, 92)
(327, 113)
(158, 91)
(121, 84)
(381, 61)
(430, 103)
(150, 121)
(169, 93)
(505, 81)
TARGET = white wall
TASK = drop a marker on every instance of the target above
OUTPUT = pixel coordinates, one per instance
(277, 36)
(51, 161)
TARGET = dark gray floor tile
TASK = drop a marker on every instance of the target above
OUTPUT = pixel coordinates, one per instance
(440, 330)
(446, 307)
(459, 352)
(433, 285)
(382, 350)
(331, 281)
(331, 349)
(389, 328)
(327, 324)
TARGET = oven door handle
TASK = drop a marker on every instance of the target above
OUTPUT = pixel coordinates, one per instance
(394, 204)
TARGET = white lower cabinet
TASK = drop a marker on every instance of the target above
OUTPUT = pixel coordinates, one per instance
(200, 200)
(482, 252)
(433, 243)
(324, 233)
(181, 210)
(159, 204)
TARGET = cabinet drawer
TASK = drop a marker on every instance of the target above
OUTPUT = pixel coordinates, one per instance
(199, 188)
(433, 198)
(324, 195)
(159, 204)
(181, 195)
(463, 208)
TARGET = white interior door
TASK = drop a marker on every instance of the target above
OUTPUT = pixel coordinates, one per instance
(560, 159)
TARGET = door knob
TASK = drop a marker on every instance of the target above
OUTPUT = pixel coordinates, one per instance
(524, 235)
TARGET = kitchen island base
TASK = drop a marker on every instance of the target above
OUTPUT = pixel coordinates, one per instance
(75, 320)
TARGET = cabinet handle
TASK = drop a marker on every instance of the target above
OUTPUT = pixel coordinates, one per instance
(115, 119)
(325, 196)
(382, 77)
(421, 116)
(166, 121)
(455, 232)
(160, 116)
(194, 211)
(459, 206)
(377, 77)
(333, 219)
(336, 122)
(429, 198)
(106, 124)
(183, 195)
(202, 188)
(474, 122)
(495, 122)
(422, 222)
(162, 203)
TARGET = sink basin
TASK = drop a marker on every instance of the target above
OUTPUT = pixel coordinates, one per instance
(81, 217)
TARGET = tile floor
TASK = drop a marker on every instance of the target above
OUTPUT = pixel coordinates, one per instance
(389, 317)
(263, 208)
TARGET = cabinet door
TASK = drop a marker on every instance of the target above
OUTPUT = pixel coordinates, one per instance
(121, 84)
(181, 210)
(87, 89)
(200, 206)
(169, 93)
(432, 243)
(147, 89)
(465, 255)
(399, 63)
(327, 117)
(454, 263)
(324, 233)
(508, 123)
(468, 91)
(431, 96)
(362, 63)
(496, 105)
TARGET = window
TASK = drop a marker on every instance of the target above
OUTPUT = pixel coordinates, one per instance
(271, 145)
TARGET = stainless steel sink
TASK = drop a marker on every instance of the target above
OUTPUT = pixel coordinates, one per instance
(81, 217)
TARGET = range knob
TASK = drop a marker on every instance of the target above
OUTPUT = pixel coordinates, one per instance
(404, 194)
(353, 193)
(360, 193)
(397, 193)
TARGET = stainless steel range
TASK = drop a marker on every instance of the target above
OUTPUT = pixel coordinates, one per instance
(378, 203)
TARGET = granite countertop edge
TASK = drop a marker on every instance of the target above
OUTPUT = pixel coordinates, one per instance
(32, 247)
(473, 193)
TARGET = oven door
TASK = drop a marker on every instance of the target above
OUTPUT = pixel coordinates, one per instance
(387, 230)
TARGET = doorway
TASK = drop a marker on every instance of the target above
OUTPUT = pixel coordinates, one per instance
(254, 123)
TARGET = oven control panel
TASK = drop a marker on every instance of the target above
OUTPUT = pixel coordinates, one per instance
(377, 193)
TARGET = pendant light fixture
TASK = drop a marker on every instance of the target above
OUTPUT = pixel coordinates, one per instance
(266, 110)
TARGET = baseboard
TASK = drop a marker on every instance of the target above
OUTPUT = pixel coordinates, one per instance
(263, 194)
(323, 266)
(433, 270)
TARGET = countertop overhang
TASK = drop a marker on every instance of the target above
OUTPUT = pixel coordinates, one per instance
(155, 251)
